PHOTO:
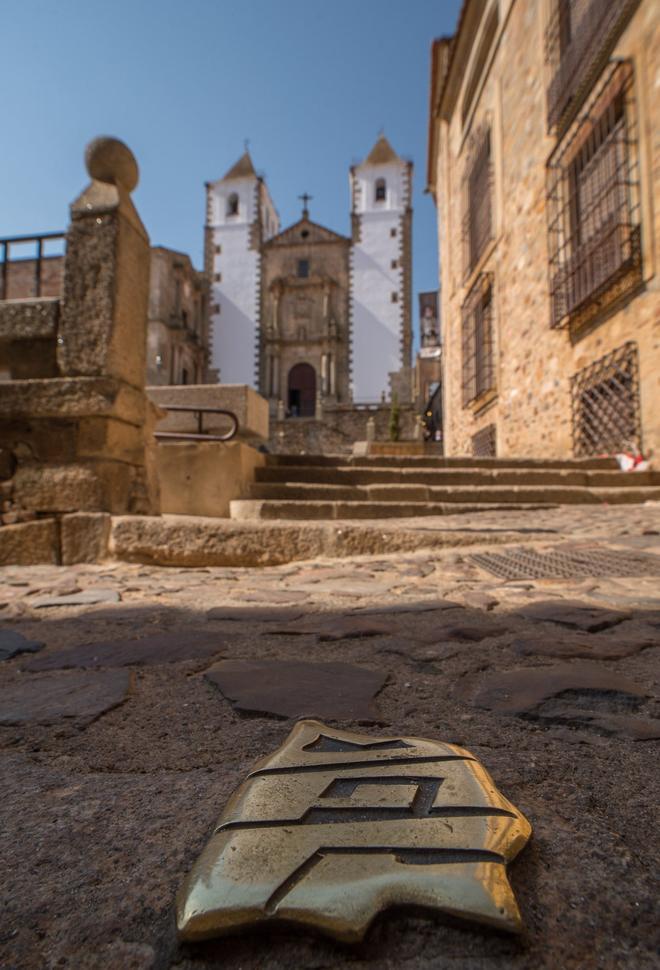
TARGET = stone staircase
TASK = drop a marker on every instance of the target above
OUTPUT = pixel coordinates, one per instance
(327, 487)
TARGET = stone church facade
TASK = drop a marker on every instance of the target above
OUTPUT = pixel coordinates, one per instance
(316, 321)
(305, 334)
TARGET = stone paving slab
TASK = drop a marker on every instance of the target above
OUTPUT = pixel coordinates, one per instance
(48, 697)
(287, 688)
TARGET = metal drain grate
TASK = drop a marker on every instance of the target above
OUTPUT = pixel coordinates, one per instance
(573, 563)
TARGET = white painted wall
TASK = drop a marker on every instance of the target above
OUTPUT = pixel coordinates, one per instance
(235, 326)
(376, 320)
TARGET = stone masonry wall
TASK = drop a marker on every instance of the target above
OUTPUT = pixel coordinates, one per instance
(534, 363)
(337, 430)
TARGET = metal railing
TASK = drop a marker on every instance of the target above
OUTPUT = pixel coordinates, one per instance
(594, 205)
(37, 258)
(478, 364)
(579, 36)
(477, 190)
(605, 404)
(201, 435)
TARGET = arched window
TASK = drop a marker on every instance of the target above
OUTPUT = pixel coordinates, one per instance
(381, 190)
(232, 205)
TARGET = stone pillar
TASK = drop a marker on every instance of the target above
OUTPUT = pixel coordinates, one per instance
(103, 320)
(371, 429)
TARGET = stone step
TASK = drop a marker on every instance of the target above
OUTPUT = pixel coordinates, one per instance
(445, 501)
(272, 509)
(299, 491)
(418, 461)
(364, 476)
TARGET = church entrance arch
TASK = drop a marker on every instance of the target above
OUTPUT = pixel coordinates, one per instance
(302, 391)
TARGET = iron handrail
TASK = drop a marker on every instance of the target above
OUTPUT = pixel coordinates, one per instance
(5, 245)
(201, 435)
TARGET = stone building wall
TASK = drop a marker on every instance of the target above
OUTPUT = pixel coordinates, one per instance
(337, 430)
(506, 82)
(178, 336)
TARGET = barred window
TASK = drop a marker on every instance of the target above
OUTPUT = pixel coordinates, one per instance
(593, 204)
(605, 404)
(477, 201)
(484, 442)
(579, 36)
(478, 357)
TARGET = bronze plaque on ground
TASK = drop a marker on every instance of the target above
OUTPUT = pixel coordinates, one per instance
(335, 827)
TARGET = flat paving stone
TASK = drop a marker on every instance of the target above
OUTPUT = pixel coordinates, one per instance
(273, 596)
(252, 614)
(345, 587)
(161, 648)
(88, 597)
(44, 698)
(520, 691)
(462, 632)
(428, 607)
(585, 647)
(292, 688)
(335, 627)
(574, 614)
(13, 643)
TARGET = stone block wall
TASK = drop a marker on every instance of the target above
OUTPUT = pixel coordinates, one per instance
(534, 363)
(76, 426)
(337, 430)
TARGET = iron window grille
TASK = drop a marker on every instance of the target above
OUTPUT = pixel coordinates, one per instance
(605, 404)
(579, 37)
(594, 206)
(484, 442)
(477, 198)
(478, 357)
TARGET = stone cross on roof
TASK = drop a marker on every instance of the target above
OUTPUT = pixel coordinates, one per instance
(305, 199)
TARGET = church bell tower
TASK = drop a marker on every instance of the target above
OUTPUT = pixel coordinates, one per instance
(381, 274)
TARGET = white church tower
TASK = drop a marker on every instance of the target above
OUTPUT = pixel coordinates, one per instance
(240, 215)
(381, 274)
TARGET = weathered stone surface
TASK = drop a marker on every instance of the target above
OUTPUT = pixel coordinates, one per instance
(335, 628)
(252, 614)
(462, 632)
(274, 596)
(574, 614)
(428, 607)
(28, 543)
(43, 698)
(343, 587)
(162, 648)
(88, 597)
(28, 319)
(72, 397)
(7, 464)
(84, 537)
(478, 599)
(586, 647)
(110, 160)
(523, 691)
(292, 688)
(13, 643)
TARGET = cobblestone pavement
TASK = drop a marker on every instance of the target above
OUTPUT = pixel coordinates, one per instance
(119, 748)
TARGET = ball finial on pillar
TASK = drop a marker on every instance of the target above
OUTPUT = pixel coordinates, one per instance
(109, 160)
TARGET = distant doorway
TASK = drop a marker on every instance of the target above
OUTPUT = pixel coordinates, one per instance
(302, 391)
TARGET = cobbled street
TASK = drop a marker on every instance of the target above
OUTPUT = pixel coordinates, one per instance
(124, 731)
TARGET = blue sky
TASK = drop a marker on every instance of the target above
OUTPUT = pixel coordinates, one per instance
(184, 82)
